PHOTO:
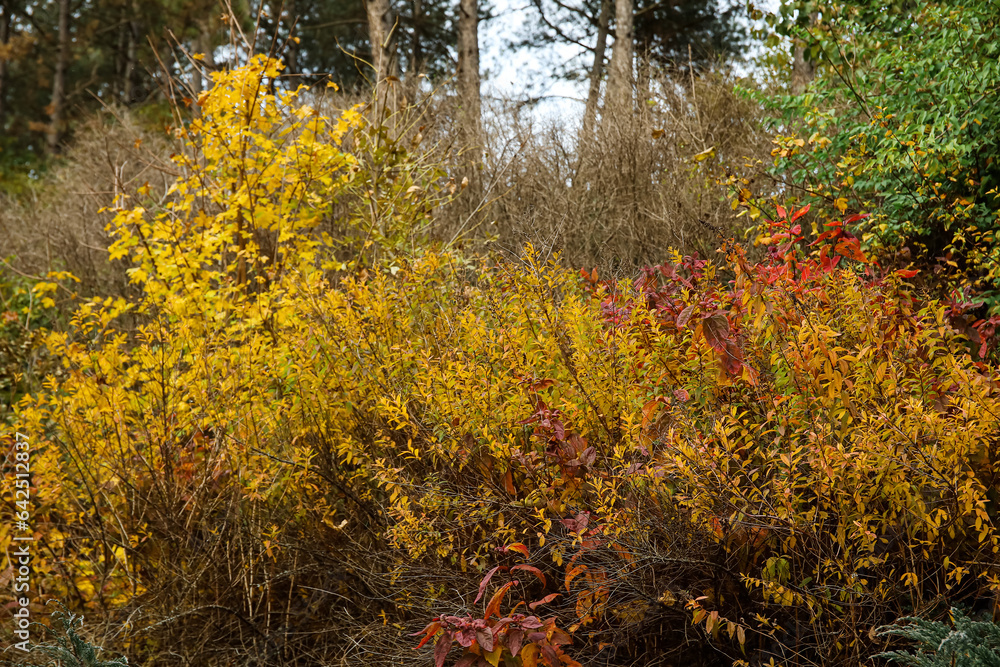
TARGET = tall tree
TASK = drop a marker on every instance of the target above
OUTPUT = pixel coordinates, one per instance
(663, 33)
(416, 50)
(597, 69)
(381, 29)
(5, 24)
(468, 66)
(622, 55)
(59, 79)
(292, 39)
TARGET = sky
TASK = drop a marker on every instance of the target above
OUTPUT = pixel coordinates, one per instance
(517, 73)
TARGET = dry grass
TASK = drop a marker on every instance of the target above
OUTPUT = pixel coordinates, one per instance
(619, 199)
(59, 224)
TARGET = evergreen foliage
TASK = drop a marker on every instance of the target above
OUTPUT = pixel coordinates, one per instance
(67, 648)
(964, 643)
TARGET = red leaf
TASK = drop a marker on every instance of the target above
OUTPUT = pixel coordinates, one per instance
(684, 316)
(494, 606)
(545, 600)
(485, 638)
(515, 637)
(781, 212)
(518, 547)
(441, 649)
(549, 655)
(484, 582)
(801, 212)
(715, 328)
(907, 273)
(732, 359)
(588, 456)
(682, 395)
(430, 631)
(533, 570)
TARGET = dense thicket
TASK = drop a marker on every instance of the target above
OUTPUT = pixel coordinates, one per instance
(320, 388)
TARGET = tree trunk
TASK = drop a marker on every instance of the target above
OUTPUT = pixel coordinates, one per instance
(59, 79)
(381, 34)
(416, 54)
(5, 21)
(802, 69)
(468, 67)
(620, 76)
(203, 45)
(596, 71)
(131, 56)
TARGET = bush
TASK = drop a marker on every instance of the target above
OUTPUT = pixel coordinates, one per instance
(290, 445)
(968, 643)
(67, 648)
(908, 134)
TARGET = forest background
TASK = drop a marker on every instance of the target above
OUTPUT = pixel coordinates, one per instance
(319, 355)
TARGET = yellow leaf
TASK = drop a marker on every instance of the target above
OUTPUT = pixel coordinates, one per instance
(493, 657)
(529, 655)
(704, 155)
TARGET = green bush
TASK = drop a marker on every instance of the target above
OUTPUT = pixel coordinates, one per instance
(901, 121)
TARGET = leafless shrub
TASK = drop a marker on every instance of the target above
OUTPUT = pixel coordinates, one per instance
(641, 184)
(59, 223)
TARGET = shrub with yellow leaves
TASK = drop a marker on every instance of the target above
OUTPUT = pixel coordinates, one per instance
(312, 431)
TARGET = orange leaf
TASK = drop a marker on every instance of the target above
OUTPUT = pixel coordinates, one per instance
(545, 600)
(494, 606)
(573, 572)
(508, 483)
(430, 631)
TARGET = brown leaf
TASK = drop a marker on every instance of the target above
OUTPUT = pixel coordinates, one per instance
(684, 316)
(715, 328)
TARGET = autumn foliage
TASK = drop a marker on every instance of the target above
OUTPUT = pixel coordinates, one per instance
(314, 431)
